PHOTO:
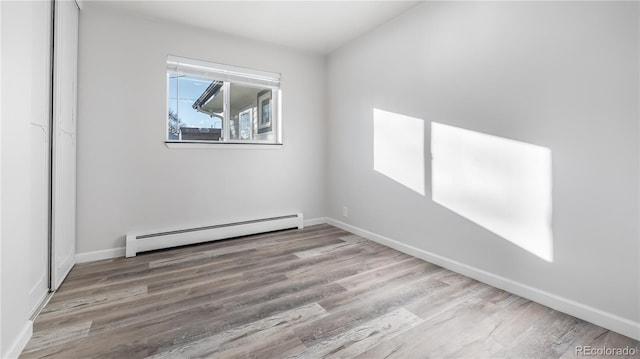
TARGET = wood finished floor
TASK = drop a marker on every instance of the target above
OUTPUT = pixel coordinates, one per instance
(312, 293)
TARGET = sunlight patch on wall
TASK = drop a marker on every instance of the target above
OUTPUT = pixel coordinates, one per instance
(398, 148)
(500, 184)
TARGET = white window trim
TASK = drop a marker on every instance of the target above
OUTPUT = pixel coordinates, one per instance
(222, 72)
(226, 107)
(223, 145)
(228, 74)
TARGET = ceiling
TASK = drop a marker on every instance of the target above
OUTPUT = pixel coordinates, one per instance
(317, 26)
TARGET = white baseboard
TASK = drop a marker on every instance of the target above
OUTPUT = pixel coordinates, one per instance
(596, 316)
(21, 341)
(100, 255)
(315, 221)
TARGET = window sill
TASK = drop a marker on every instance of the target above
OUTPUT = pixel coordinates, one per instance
(223, 145)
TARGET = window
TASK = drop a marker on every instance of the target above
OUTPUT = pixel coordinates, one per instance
(215, 103)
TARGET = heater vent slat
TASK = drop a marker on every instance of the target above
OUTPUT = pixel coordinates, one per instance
(136, 243)
(213, 227)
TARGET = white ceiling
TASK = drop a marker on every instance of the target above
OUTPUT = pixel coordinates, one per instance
(318, 26)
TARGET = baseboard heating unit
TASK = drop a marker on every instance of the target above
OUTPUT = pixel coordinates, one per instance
(136, 243)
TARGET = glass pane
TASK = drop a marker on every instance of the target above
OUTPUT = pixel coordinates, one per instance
(195, 108)
(172, 103)
(251, 113)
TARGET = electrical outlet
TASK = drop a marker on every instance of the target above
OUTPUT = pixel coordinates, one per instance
(345, 211)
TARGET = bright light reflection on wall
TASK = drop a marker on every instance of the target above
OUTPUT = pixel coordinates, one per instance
(500, 184)
(398, 148)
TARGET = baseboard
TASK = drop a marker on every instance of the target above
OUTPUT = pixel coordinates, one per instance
(315, 221)
(100, 255)
(18, 345)
(596, 316)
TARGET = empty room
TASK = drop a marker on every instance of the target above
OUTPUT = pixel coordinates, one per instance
(311, 179)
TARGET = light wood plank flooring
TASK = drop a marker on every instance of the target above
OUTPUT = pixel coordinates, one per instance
(312, 293)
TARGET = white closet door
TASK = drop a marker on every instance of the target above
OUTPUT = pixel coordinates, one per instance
(37, 40)
(64, 146)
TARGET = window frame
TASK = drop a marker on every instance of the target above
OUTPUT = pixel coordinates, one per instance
(229, 75)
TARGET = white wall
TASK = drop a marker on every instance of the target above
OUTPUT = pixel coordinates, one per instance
(129, 181)
(25, 101)
(1, 32)
(564, 76)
